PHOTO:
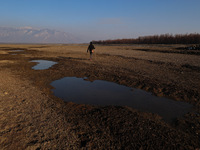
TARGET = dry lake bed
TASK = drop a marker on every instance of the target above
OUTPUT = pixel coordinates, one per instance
(127, 97)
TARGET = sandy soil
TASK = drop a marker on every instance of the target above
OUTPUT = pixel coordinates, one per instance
(31, 117)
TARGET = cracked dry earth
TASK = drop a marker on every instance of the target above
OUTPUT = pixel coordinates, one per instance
(32, 118)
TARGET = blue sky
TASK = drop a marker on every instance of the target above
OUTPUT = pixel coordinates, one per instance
(104, 19)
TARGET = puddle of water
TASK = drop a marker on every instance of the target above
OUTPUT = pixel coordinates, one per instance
(43, 64)
(107, 93)
(16, 50)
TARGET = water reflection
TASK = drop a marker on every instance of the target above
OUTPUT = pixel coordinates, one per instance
(43, 64)
(107, 93)
(16, 50)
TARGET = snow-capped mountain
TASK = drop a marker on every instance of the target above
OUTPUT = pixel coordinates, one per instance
(34, 35)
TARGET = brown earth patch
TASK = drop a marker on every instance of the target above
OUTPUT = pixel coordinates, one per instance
(32, 117)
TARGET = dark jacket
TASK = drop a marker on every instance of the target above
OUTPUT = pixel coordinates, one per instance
(90, 48)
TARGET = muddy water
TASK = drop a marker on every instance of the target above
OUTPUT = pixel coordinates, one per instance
(103, 93)
(43, 64)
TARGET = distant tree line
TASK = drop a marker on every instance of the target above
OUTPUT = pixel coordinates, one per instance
(157, 39)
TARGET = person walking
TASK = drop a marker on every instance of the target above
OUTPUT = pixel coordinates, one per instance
(91, 49)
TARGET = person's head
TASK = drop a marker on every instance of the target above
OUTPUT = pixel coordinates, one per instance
(90, 43)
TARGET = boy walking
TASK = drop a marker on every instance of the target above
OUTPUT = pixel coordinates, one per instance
(91, 49)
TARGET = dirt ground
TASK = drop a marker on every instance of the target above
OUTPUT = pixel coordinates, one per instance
(31, 117)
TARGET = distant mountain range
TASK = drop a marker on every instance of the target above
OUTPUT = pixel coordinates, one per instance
(33, 35)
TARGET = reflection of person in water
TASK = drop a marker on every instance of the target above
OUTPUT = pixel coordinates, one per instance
(91, 49)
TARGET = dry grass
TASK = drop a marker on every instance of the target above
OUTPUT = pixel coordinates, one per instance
(31, 117)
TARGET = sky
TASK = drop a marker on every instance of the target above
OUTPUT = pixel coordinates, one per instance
(104, 19)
